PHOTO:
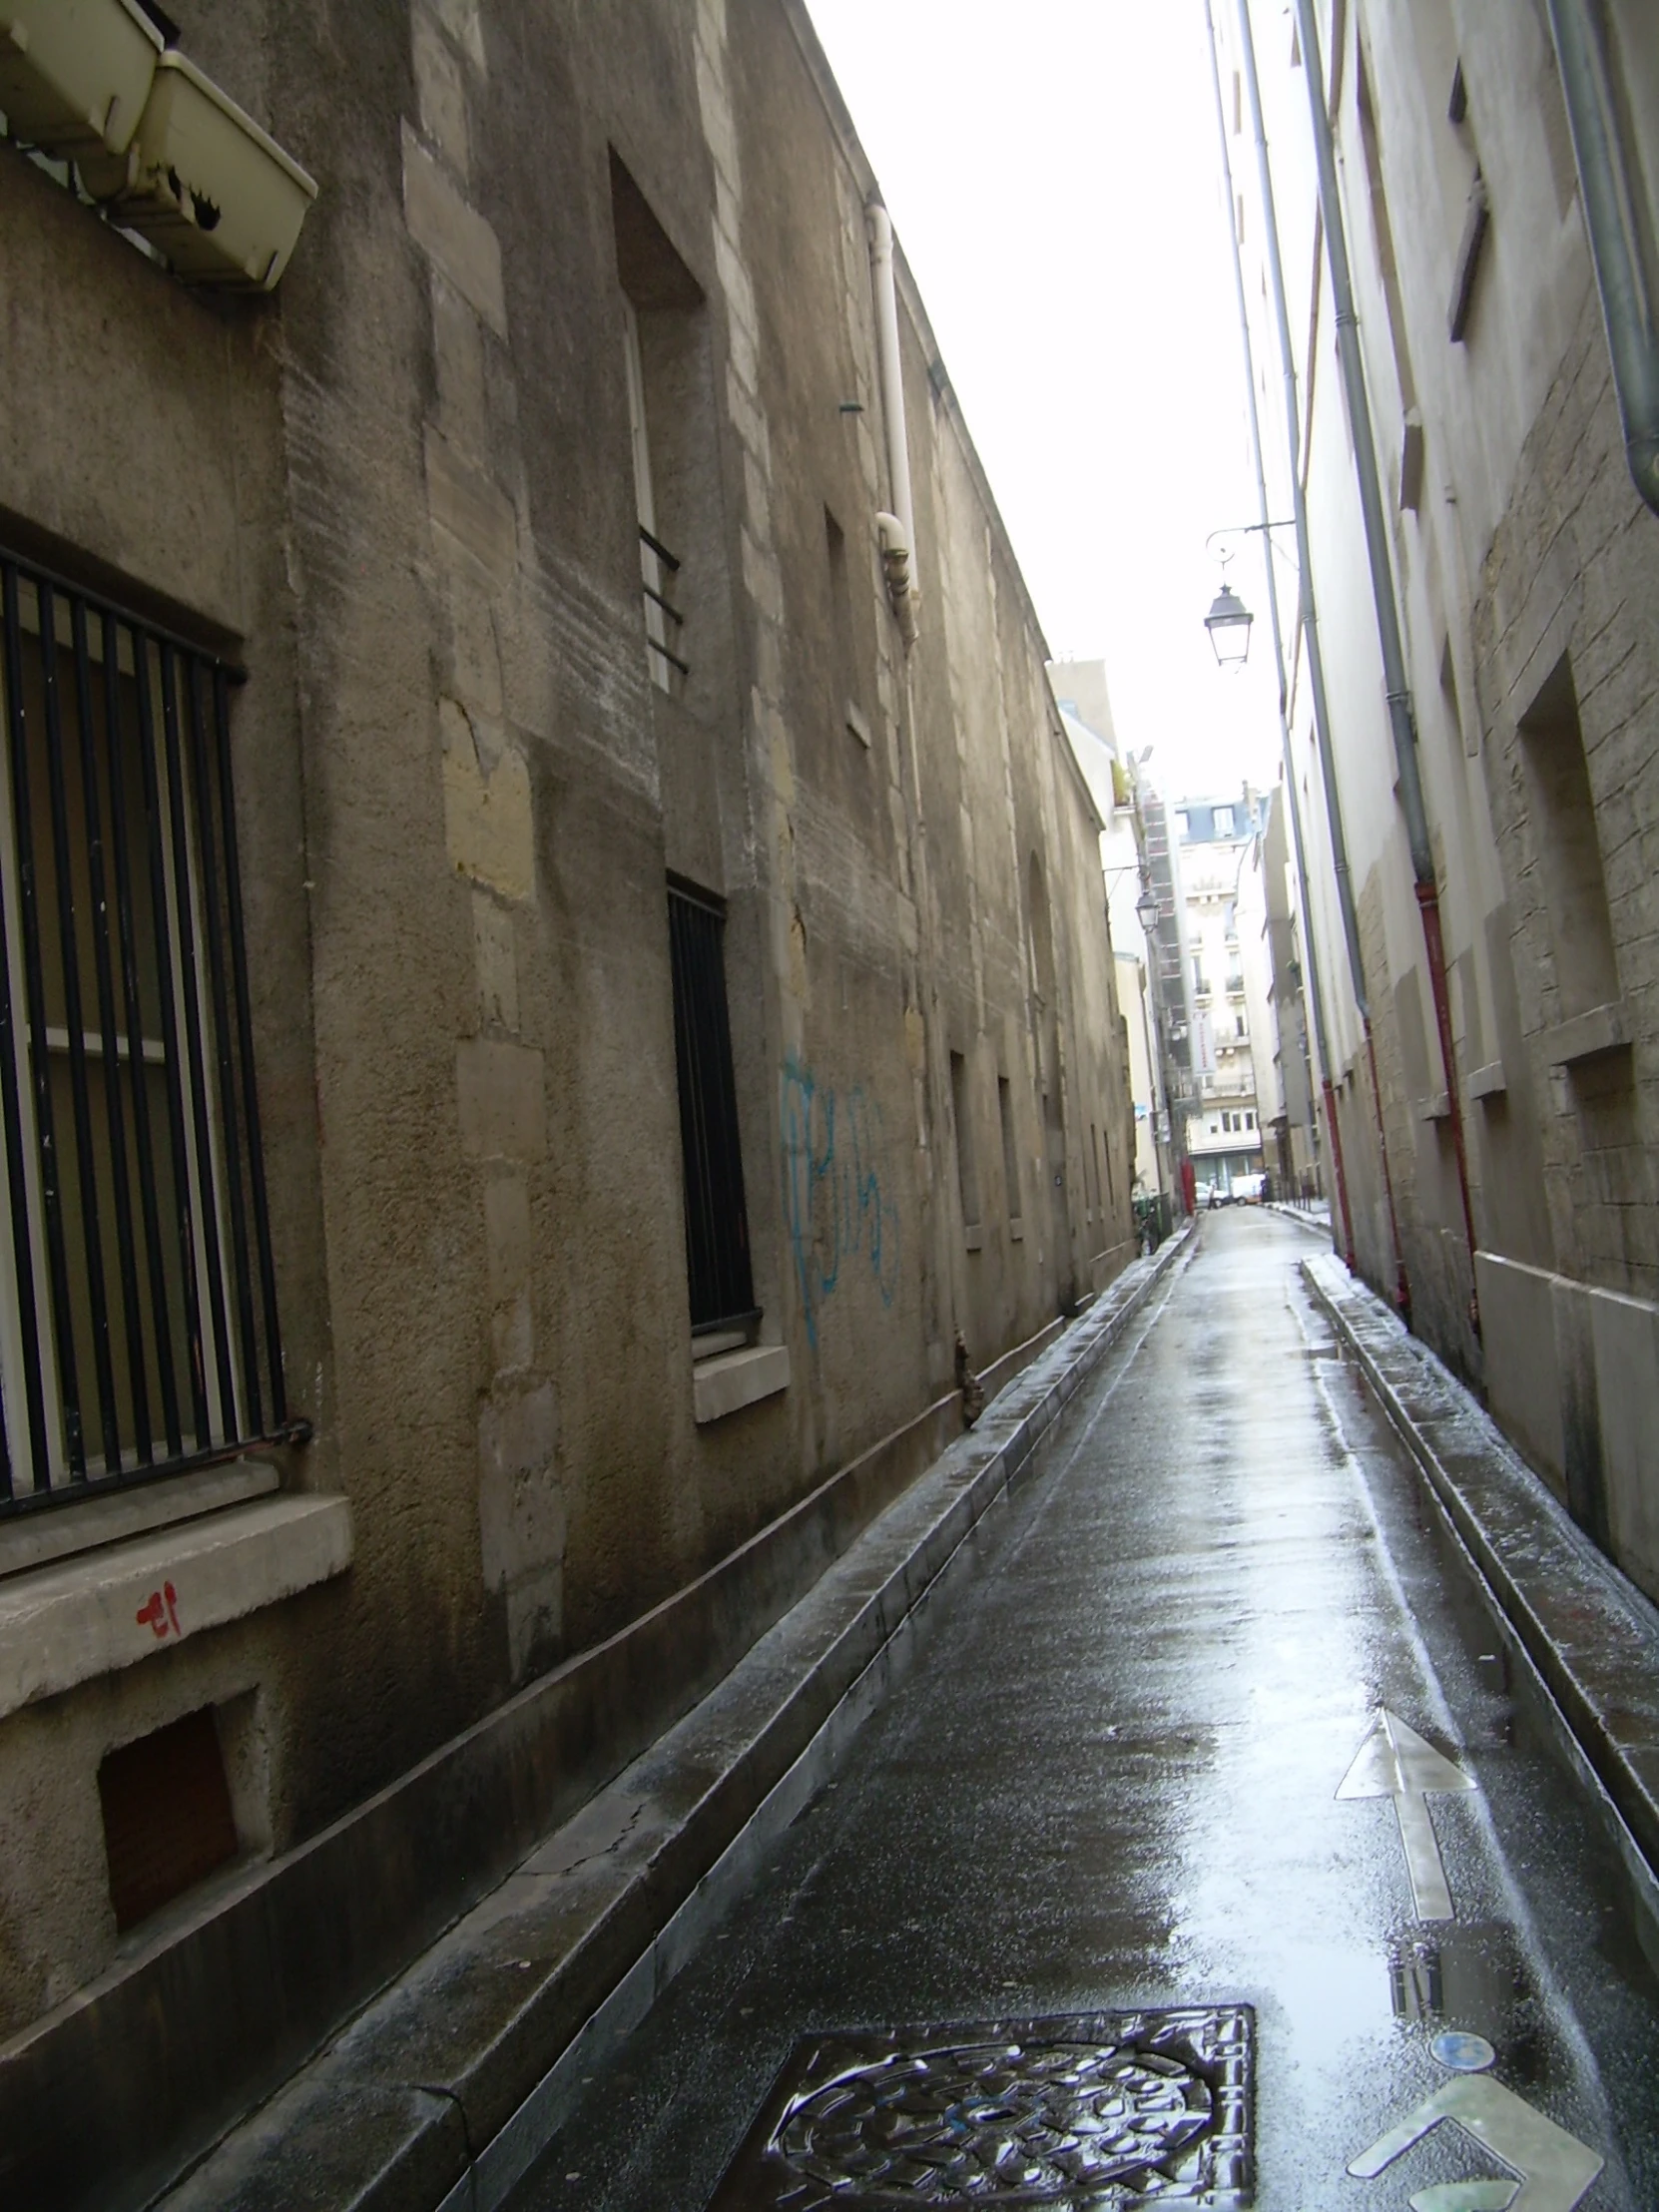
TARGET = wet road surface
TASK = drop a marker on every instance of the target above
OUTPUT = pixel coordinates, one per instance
(1109, 1782)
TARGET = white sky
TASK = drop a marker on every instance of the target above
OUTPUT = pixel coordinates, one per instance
(1053, 175)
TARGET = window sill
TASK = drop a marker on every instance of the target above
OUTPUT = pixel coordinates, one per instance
(1489, 1082)
(76, 1619)
(1586, 1036)
(59, 1533)
(1016, 1231)
(733, 1379)
(974, 1236)
(721, 1340)
(1435, 1107)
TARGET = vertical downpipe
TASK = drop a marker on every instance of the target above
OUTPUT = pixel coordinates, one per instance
(890, 367)
(1401, 719)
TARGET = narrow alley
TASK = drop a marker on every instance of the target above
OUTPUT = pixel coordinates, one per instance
(1111, 1784)
(828, 1359)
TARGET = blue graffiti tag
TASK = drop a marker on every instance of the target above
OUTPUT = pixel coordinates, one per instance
(834, 1203)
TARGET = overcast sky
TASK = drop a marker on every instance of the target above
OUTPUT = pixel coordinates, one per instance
(1052, 172)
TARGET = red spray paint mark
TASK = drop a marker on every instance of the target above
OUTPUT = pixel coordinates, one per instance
(160, 1614)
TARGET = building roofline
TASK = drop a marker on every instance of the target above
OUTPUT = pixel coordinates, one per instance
(841, 122)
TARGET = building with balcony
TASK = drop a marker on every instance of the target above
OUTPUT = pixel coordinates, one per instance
(1228, 981)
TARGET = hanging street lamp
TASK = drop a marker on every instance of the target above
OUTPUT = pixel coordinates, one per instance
(1228, 623)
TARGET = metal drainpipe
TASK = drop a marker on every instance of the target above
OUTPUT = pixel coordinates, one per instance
(1401, 719)
(1308, 611)
(1623, 269)
(1309, 949)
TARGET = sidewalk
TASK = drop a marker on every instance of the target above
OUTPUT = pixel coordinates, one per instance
(444, 2090)
(1120, 1765)
(1316, 1217)
(1149, 1811)
(1589, 1632)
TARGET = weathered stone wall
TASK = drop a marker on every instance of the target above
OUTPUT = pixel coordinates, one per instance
(1527, 573)
(400, 493)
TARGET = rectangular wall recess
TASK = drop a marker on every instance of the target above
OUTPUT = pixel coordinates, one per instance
(167, 1815)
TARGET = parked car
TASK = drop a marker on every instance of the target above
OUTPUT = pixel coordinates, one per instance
(1250, 1190)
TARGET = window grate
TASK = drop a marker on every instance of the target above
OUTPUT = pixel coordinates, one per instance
(717, 1223)
(654, 559)
(138, 1304)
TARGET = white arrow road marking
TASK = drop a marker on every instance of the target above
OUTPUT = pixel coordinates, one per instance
(1394, 1761)
(1555, 2168)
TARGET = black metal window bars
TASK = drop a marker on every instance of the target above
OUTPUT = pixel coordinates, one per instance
(138, 1297)
(716, 1221)
(655, 560)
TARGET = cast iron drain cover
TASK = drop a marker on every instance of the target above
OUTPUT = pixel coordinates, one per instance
(1099, 2112)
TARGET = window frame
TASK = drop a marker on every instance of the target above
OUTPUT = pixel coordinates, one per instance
(166, 1225)
(720, 1279)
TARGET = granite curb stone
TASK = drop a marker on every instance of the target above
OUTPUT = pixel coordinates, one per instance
(1316, 1224)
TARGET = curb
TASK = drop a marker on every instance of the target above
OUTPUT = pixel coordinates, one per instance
(1310, 1222)
(1587, 1631)
(446, 2089)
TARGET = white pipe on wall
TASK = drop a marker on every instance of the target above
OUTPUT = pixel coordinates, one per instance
(889, 364)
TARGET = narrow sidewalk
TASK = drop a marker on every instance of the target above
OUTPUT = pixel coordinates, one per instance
(444, 2090)
(1153, 1806)
(1592, 1636)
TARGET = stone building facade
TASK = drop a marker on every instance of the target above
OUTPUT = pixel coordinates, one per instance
(632, 1007)
(1289, 1122)
(1526, 571)
(1081, 692)
(1235, 1093)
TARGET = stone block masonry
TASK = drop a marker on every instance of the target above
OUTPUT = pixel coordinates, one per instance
(405, 498)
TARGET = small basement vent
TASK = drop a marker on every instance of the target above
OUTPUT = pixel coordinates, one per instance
(167, 1815)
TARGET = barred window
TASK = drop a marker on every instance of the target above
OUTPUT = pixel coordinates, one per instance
(138, 1304)
(716, 1222)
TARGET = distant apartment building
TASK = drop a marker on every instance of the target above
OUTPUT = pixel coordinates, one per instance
(1286, 1100)
(1172, 1013)
(1226, 982)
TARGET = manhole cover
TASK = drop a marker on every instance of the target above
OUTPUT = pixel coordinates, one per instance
(1099, 2112)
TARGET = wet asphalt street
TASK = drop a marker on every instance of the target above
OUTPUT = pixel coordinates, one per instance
(1109, 1784)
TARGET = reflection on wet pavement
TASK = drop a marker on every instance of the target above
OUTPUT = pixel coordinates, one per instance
(1110, 1783)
